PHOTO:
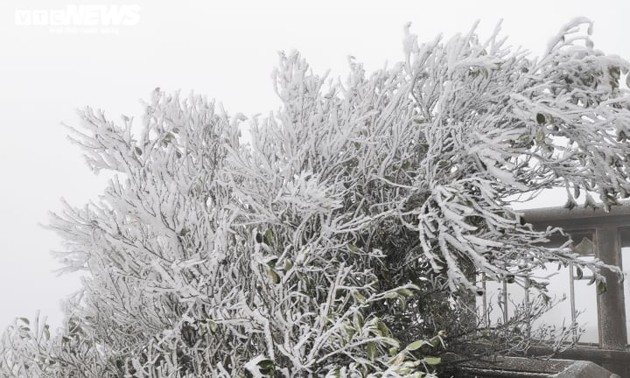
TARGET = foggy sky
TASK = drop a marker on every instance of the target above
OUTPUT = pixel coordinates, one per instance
(223, 49)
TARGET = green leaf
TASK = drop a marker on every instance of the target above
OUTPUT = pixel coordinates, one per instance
(416, 345)
(374, 330)
(392, 342)
(579, 273)
(353, 248)
(267, 367)
(357, 320)
(358, 297)
(350, 332)
(268, 237)
(275, 278)
(397, 359)
(435, 340)
(371, 350)
(288, 264)
(405, 292)
(392, 295)
(383, 328)
(432, 360)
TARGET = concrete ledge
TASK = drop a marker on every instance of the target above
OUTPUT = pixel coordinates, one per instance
(585, 369)
(519, 367)
(550, 214)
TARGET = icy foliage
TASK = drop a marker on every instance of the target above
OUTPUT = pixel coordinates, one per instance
(340, 241)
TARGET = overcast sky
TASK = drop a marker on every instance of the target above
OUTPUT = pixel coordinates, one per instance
(225, 50)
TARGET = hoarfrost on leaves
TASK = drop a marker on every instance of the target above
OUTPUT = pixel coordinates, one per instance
(349, 234)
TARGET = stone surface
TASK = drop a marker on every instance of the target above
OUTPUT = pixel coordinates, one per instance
(517, 367)
(585, 369)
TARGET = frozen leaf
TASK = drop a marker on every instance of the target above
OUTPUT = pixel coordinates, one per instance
(273, 276)
(579, 274)
(432, 360)
(405, 292)
(416, 345)
(268, 237)
(371, 350)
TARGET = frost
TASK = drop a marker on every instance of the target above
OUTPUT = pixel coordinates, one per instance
(356, 221)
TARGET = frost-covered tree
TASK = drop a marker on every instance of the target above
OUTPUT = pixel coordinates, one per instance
(346, 238)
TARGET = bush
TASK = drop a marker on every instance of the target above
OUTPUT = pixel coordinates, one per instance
(346, 238)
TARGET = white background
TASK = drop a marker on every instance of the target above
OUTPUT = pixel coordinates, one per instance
(223, 49)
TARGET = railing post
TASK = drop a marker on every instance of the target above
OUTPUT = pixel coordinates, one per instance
(611, 308)
(610, 304)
